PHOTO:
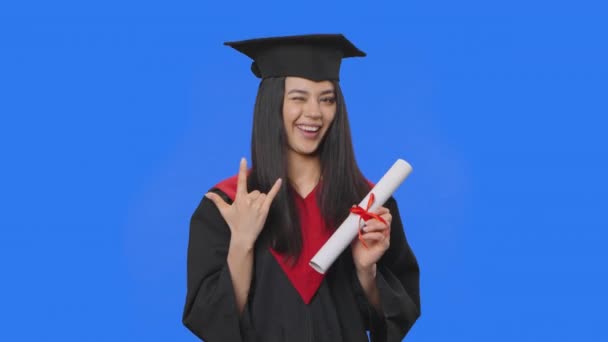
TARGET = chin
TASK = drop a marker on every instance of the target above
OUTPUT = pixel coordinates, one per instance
(311, 151)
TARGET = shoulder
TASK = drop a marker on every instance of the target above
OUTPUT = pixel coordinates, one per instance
(227, 186)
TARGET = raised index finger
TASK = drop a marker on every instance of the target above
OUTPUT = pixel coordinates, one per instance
(241, 185)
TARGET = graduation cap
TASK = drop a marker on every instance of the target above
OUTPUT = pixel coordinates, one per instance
(316, 57)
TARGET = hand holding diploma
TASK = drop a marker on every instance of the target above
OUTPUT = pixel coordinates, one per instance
(373, 241)
(348, 230)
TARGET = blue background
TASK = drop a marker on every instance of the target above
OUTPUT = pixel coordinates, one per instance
(116, 117)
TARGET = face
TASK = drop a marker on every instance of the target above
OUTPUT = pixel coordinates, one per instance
(309, 108)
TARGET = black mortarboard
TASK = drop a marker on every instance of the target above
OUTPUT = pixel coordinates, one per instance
(316, 57)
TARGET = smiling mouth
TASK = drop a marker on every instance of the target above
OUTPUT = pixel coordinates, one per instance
(309, 128)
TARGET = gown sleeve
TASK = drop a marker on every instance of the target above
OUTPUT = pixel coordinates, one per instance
(397, 279)
(210, 311)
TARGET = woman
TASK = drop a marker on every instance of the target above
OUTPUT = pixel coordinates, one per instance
(252, 236)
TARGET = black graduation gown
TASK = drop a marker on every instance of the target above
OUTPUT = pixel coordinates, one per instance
(275, 311)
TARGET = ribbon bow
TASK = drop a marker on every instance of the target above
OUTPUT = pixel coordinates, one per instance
(365, 215)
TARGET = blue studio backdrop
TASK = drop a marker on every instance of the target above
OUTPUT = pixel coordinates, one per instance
(116, 117)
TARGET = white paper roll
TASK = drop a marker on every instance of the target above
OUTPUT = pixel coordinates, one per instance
(347, 231)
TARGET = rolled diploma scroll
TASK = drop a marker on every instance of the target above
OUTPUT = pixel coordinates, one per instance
(349, 229)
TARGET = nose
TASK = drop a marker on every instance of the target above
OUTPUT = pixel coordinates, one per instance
(313, 109)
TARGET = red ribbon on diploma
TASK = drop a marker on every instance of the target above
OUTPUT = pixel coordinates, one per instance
(365, 215)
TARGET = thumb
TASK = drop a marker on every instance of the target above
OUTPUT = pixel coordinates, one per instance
(218, 201)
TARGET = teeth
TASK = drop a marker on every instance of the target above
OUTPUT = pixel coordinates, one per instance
(309, 128)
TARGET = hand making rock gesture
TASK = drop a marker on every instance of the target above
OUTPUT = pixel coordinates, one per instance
(248, 212)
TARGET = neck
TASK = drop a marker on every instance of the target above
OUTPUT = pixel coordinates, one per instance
(304, 172)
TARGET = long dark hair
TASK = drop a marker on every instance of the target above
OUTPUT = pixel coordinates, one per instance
(343, 183)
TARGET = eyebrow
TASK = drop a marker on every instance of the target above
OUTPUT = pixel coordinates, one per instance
(324, 92)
